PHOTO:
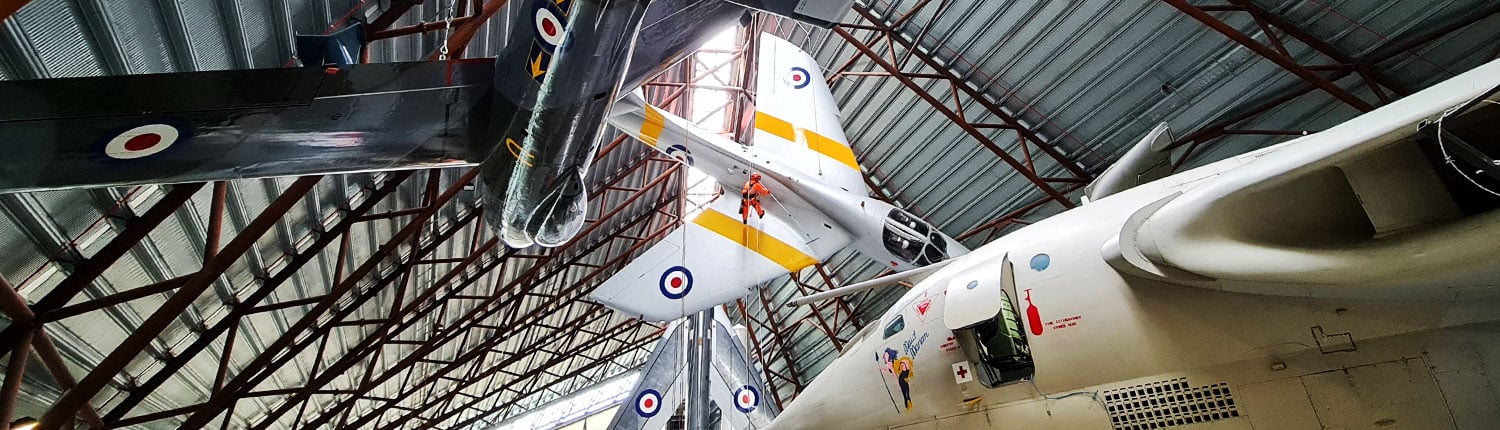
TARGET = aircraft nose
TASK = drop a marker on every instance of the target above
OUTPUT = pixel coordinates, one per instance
(514, 237)
(560, 215)
(555, 217)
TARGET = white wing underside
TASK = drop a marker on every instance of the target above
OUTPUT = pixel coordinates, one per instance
(726, 260)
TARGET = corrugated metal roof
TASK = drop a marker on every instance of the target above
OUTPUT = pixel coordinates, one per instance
(1088, 77)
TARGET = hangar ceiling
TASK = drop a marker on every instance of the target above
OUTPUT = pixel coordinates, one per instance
(379, 300)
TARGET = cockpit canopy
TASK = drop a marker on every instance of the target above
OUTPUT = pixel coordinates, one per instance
(913, 240)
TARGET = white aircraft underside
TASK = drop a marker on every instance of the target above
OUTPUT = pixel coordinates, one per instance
(1339, 280)
(1327, 282)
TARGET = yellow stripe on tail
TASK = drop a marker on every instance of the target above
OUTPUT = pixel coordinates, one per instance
(818, 143)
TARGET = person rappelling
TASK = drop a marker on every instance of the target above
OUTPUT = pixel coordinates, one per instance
(750, 197)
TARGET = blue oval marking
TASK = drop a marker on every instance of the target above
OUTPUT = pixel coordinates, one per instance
(1040, 262)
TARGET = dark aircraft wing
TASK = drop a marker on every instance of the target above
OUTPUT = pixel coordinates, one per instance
(203, 126)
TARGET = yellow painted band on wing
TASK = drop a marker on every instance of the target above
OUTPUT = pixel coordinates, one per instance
(755, 240)
(831, 148)
(818, 143)
(651, 127)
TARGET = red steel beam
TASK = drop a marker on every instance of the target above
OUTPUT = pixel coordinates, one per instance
(285, 348)
(1318, 44)
(529, 277)
(433, 378)
(765, 365)
(1380, 54)
(620, 259)
(385, 332)
(815, 314)
(1271, 54)
(444, 414)
(974, 93)
(459, 40)
(337, 367)
(215, 220)
(625, 347)
(15, 370)
(843, 305)
(76, 398)
(389, 17)
(9, 7)
(782, 344)
(86, 271)
(419, 28)
(1012, 216)
(956, 118)
(114, 299)
(247, 304)
(55, 365)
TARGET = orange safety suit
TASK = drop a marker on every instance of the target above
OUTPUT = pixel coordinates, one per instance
(750, 198)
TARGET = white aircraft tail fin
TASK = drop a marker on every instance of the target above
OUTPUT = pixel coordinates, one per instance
(796, 118)
(733, 385)
(658, 392)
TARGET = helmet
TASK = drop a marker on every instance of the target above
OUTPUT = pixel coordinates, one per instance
(755, 176)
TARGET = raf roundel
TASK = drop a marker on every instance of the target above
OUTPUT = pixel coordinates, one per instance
(676, 282)
(681, 153)
(648, 403)
(798, 78)
(142, 141)
(549, 23)
(746, 399)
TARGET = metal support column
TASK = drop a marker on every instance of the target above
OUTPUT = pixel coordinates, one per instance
(700, 357)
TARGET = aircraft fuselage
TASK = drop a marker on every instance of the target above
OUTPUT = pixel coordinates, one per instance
(1094, 330)
(1097, 349)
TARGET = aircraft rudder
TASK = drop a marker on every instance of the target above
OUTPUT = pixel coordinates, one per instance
(797, 117)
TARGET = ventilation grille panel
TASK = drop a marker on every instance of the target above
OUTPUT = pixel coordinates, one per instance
(1168, 403)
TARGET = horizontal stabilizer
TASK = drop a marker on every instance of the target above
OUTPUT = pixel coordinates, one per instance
(797, 119)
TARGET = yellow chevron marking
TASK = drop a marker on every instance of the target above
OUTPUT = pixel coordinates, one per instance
(652, 126)
(536, 67)
(754, 239)
(818, 143)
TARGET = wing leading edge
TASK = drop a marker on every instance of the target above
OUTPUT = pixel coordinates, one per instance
(1355, 211)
